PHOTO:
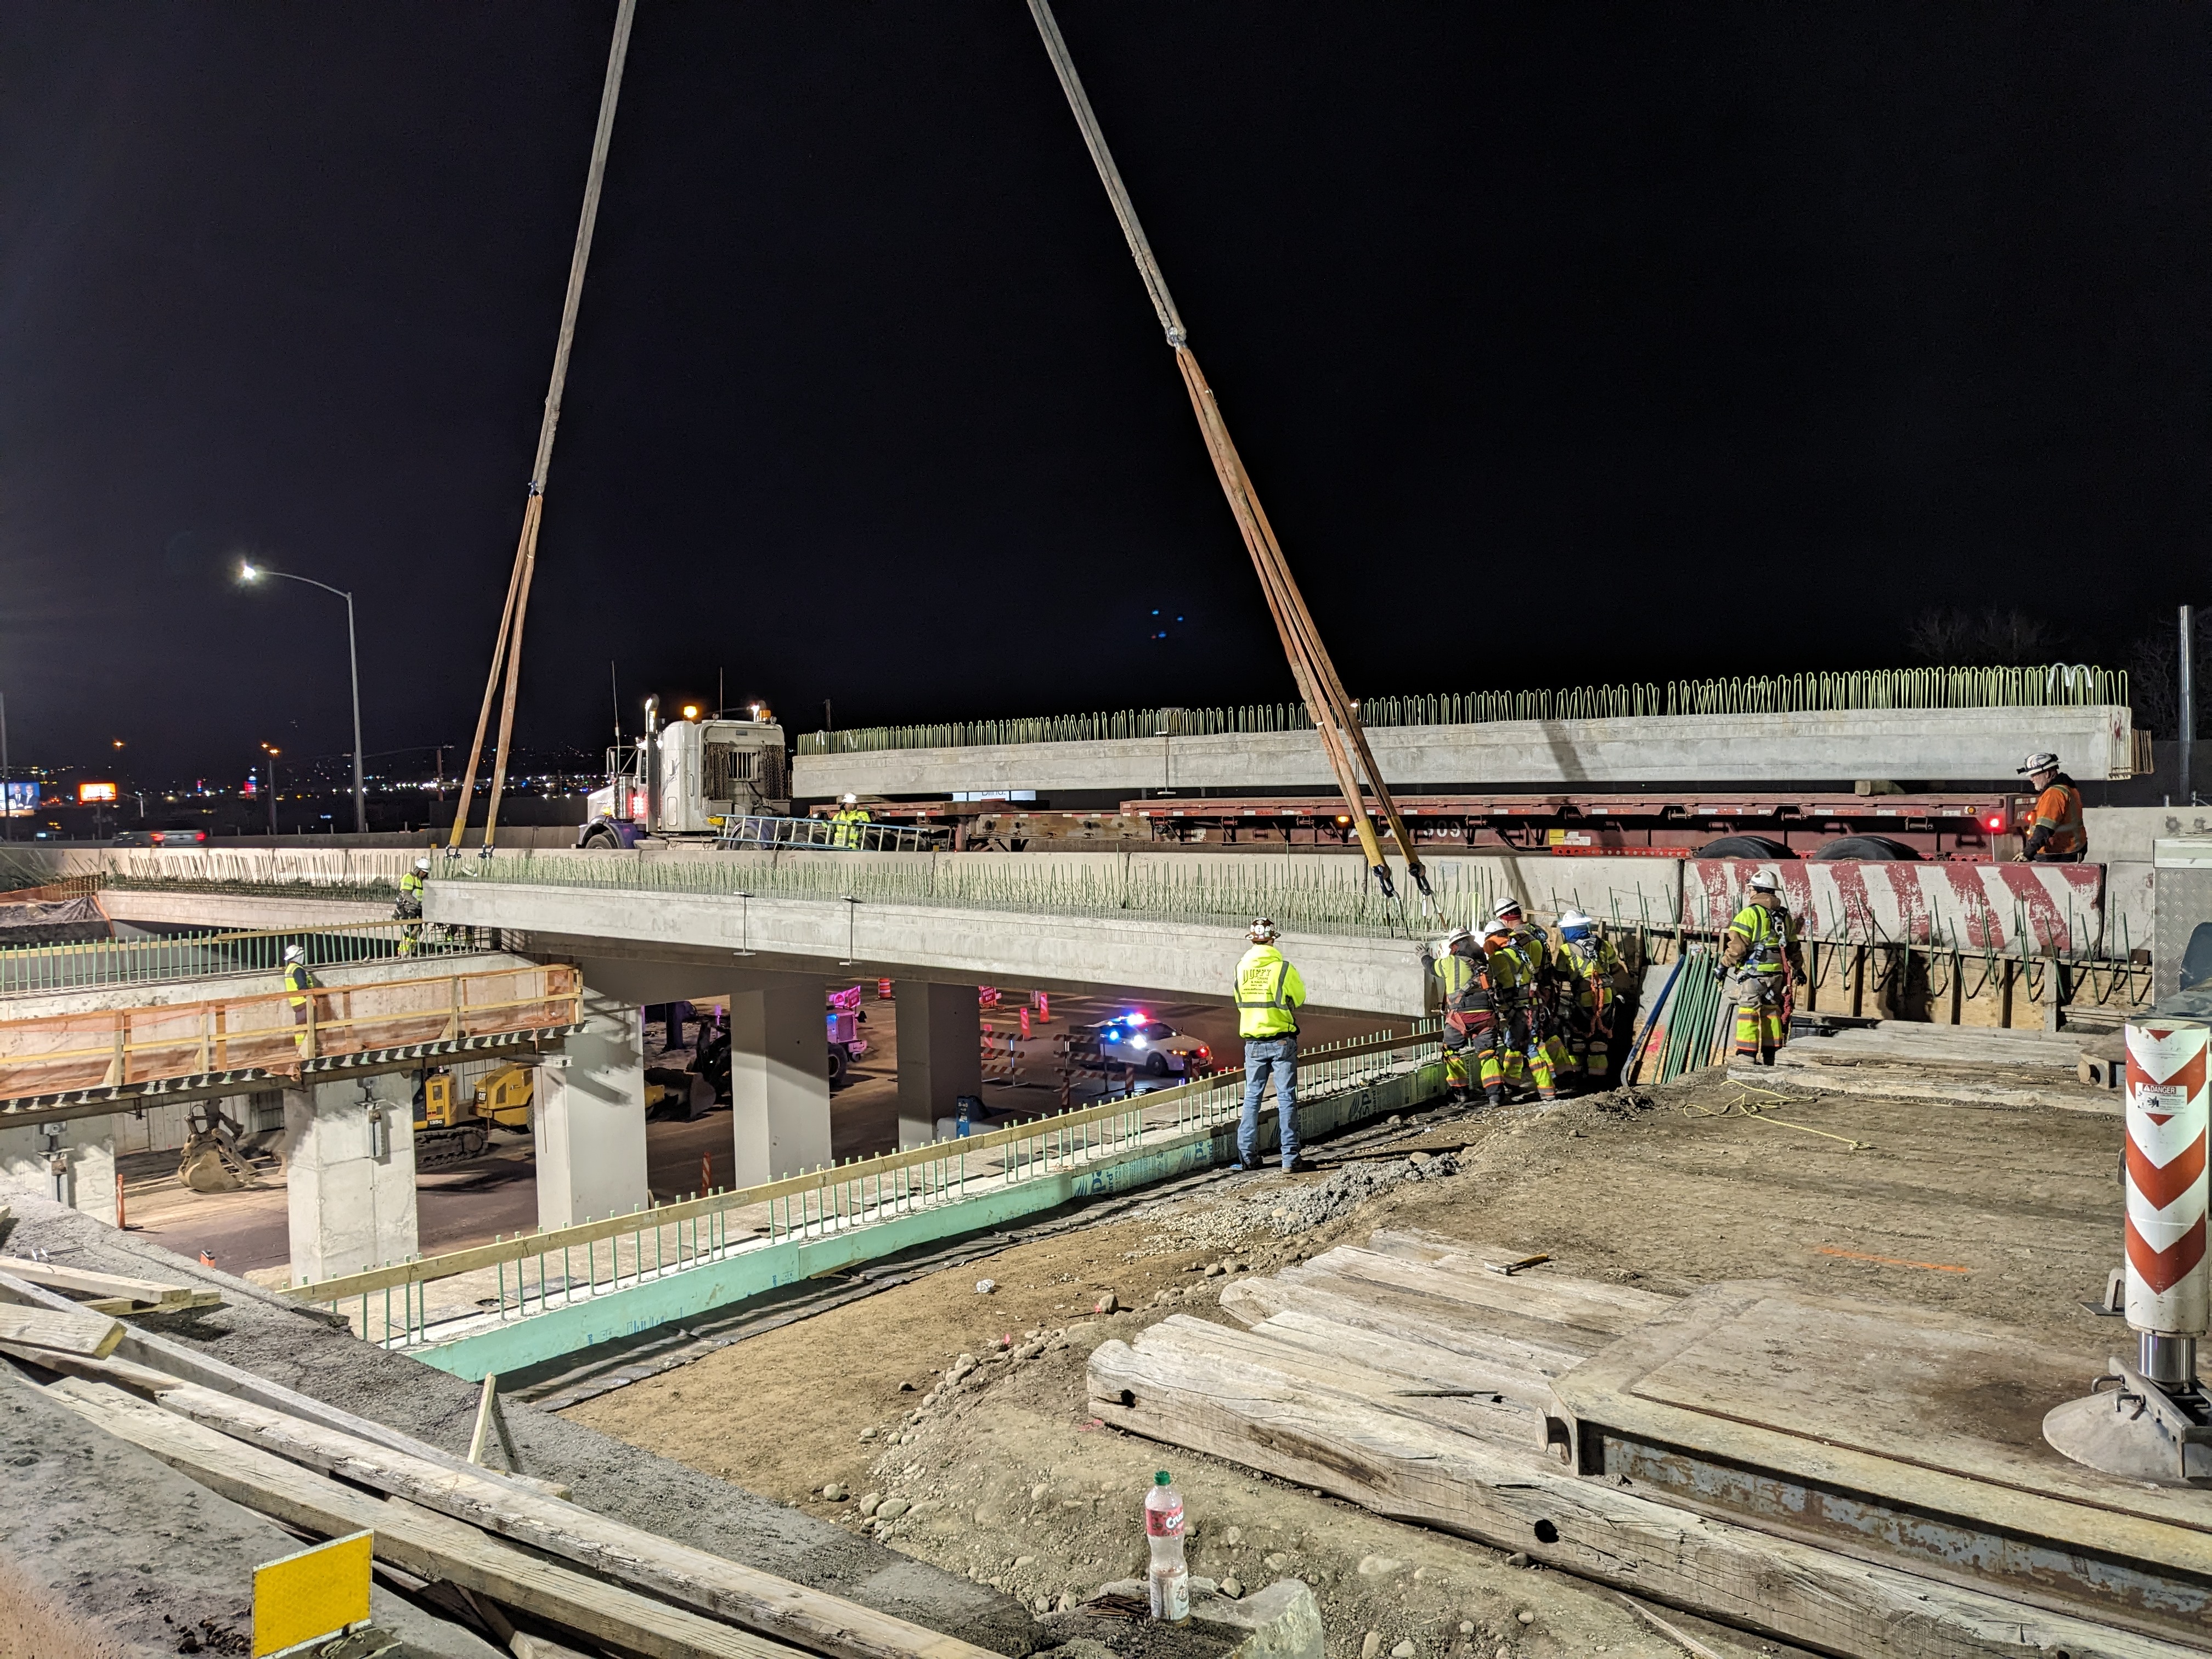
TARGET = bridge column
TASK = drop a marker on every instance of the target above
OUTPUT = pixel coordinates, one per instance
(350, 1182)
(940, 1056)
(778, 1082)
(71, 1162)
(588, 1117)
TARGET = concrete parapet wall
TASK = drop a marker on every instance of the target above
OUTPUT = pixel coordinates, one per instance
(1953, 745)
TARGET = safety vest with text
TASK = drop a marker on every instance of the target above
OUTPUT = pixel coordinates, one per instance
(1268, 992)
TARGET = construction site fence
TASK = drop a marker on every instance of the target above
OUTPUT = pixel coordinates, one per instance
(266, 1031)
(761, 833)
(537, 1272)
(2058, 684)
(201, 953)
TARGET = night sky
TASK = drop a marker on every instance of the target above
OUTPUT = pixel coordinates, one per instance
(1564, 343)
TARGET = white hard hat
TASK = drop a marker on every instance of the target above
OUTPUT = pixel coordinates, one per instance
(1495, 927)
(2044, 761)
(1507, 906)
(1765, 882)
(1263, 930)
(1575, 919)
(293, 953)
(848, 799)
(421, 864)
(1457, 937)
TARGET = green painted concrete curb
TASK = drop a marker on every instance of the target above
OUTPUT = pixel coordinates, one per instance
(615, 1313)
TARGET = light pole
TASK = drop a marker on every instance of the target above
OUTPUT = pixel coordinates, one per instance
(252, 572)
(272, 791)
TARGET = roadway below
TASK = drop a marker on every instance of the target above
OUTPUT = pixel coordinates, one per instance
(496, 1195)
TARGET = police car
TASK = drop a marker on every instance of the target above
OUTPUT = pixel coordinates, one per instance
(1152, 1046)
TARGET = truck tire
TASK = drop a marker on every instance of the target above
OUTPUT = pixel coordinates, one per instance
(1745, 846)
(841, 1064)
(1876, 849)
(598, 838)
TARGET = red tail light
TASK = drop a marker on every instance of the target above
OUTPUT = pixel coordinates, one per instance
(1997, 820)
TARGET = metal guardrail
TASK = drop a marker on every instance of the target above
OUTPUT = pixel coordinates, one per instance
(536, 1272)
(204, 953)
(746, 833)
(116, 1047)
(2058, 684)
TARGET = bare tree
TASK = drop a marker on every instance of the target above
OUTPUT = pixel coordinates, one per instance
(1997, 636)
(1942, 635)
(2154, 677)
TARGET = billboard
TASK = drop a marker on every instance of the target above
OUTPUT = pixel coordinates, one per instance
(89, 793)
(22, 800)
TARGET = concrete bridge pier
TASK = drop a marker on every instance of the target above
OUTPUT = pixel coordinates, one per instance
(779, 1081)
(588, 1117)
(71, 1163)
(939, 1055)
(350, 1185)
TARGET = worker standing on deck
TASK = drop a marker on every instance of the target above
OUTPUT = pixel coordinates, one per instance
(848, 817)
(1512, 987)
(410, 909)
(1545, 981)
(2056, 834)
(1759, 950)
(1586, 963)
(1471, 1019)
(299, 985)
(1269, 993)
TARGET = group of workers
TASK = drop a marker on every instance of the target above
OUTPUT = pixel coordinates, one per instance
(1521, 1010)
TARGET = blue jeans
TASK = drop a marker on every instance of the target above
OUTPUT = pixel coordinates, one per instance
(1261, 1055)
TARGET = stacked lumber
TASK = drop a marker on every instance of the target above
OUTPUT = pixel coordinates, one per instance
(510, 1552)
(1414, 1378)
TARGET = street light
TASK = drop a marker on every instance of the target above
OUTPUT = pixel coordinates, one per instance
(273, 753)
(250, 574)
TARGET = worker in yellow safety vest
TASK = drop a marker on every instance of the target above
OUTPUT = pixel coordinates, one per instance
(410, 908)
(1760, 950)
(1471, 1019)
(300, 986)
(1544, 993)
(2056, 833)
(1269, 993)
(1586, 963)
(848, 817)
(1513, 989)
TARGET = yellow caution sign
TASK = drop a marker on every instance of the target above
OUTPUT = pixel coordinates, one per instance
(303, 1598)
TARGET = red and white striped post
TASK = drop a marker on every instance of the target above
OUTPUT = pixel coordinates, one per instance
(2169, 1282)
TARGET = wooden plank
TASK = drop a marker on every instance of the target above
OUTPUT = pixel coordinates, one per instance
(1468, 1296)
(1937, 1468)
(43, 1329)
(1417, 1472)
(1450, 1255)
(415, 1539)
(121, 1372)
(712, 1584)
(1414, 1364)
(1507, 1340)
(55, 1276)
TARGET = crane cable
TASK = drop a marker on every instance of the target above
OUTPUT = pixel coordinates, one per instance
(507, 651)
(1334, 714)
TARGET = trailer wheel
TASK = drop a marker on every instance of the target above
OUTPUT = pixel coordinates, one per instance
(841, 1064)
(1744, 846)
(1877, 849)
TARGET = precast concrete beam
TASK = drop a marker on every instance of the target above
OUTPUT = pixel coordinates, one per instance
(587, 1117)
(71, 1163)
(778, 1082)
(350, 1175)
(940, 1056)
(1951, 745)
(1107, 956)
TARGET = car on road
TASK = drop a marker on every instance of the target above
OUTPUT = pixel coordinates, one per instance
(175, 835)
(1152, 1046)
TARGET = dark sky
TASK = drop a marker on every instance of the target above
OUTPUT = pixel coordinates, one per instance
(1564, 343)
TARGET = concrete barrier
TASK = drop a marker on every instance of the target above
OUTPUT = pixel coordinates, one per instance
(2013, 909)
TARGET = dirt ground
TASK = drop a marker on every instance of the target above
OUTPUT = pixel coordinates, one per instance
(2011, 1216)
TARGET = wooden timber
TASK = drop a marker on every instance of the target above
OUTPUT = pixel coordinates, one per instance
(1349, 1381)
(418, 1541)
(92, 1335)
(108, 1294)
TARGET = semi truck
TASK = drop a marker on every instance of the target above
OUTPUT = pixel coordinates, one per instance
(688, 779)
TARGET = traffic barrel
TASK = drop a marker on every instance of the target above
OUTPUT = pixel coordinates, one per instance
(2169, 1289)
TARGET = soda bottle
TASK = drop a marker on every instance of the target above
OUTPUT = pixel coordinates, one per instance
(1169, 1578)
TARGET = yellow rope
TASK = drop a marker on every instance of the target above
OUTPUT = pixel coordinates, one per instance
(1761, 1114)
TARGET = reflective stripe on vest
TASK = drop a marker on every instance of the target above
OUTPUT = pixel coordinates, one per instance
(1766, 931)
(2064, 818)
(297, 979)
(1274, 997)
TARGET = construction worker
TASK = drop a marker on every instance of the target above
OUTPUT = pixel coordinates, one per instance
(1587, 963)
(848, 817)
(1471, 1024)
(1760, 950)
(300, 986)
(410, 908)
(2056, 833)
(1512, 989)
(1268, 994)
(1544, 997)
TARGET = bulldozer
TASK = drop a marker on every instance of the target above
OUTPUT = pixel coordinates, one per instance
(449, 1129)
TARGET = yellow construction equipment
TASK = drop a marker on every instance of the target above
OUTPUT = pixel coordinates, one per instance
(448, 1129)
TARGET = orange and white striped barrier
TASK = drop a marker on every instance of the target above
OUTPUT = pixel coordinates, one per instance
(2169, 1288)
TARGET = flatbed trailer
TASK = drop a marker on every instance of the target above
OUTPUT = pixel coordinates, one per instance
(1966, 826)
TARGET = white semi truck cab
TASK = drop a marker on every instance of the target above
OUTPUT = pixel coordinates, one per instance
(685, 780)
